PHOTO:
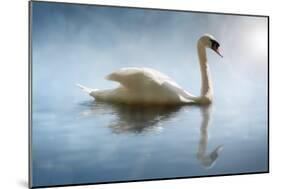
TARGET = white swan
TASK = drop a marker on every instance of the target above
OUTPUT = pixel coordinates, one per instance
(148, 86)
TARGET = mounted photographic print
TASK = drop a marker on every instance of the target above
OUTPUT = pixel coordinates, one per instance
(121, 94)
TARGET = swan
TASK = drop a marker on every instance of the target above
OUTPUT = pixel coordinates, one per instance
(147, 86)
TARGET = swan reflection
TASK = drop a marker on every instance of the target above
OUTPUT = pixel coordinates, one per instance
(133, 119)
(206, 160)
(142, 119)
(139, 119)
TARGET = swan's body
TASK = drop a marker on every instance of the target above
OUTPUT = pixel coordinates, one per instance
(148, 86)
(143, 85)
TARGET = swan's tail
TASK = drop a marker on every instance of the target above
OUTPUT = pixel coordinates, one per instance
(86, 89)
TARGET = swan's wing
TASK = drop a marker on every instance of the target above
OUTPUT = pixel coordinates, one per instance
(133, 78)
(172, 86)
(151, 82)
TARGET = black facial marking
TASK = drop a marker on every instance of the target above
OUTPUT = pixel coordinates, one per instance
(215, 45)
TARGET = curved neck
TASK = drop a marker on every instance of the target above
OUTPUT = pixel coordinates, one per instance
(206, 84)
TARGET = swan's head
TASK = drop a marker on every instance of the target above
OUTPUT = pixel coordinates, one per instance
(209, 41)
(208, 161)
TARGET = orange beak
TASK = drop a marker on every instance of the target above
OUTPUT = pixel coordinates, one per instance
(218, 52)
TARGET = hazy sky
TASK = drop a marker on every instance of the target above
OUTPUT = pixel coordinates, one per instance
(81, 44)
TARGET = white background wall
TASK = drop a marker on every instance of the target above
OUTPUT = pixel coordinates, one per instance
(14, 96)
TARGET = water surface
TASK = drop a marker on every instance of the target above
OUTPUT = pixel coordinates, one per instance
(97, 142)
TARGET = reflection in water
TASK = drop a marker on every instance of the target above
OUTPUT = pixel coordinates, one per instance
(141, 119)
(208, 160)
(133, 119)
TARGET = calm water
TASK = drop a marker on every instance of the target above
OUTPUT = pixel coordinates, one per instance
(96, 142)
(77, 140)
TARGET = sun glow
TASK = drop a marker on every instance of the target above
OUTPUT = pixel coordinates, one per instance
(258, 40)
